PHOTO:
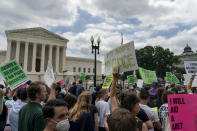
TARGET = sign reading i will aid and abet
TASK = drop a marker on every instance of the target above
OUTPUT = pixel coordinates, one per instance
(123, 57)
(190, 67)
(13, 74)
(182, 112)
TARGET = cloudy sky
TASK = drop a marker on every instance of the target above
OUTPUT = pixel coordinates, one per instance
(169, 23)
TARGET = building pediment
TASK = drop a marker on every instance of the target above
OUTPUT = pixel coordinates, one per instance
(37, 32)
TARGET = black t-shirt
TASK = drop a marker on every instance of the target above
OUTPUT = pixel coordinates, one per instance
(159, 103)
(85, 121)
(94, 97)
(60, 96)
(72, 90)
(3, 115)
(93, 110)
(142, 115)
(139, 125)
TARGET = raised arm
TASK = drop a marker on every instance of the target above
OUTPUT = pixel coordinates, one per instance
(52, 92)
(189, 85)
(113, 90)
(1, 100)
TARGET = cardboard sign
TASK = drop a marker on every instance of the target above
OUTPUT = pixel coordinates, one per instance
(187, 79)
(140, 83)
(182, 112)
(13, 74)
(123, 57)
(107, 82)
(148, 76)
(190, 67)
(49, 75)
(131, 79)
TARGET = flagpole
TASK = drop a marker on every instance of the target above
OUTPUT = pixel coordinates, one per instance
(121, 39)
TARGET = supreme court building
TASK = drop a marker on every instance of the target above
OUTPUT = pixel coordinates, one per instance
(34, 47)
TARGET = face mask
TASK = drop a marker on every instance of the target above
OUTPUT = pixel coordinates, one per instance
(63, 125)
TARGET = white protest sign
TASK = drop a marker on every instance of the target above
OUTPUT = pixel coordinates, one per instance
(123, 57)
(190, 67)
(67, 81)
(187, 79)
(140, 83)
(49, 75)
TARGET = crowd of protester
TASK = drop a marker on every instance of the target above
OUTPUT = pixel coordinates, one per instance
(37, 107)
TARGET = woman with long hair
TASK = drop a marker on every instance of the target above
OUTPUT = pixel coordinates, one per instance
(103, 109)
(80, 116)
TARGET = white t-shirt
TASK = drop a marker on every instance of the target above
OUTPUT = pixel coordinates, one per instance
(14, 114)
(163, 113)
(103, 111)
(9, 104)
(150, 113)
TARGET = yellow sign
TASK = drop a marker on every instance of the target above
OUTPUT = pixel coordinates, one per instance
(107, 81)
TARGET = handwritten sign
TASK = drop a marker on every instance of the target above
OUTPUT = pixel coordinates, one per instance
(190, 67)
(49, 75)
(123, 57)
(148, 76)
(182, 112)
(13, 74)
(107, 82)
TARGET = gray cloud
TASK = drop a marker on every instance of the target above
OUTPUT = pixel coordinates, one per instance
(29, 13)
(159, 14)
(125, 8)
(163, 14)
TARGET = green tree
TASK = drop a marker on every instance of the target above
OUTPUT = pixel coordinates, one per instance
(156, 58)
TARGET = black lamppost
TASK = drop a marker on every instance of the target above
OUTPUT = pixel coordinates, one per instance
(94, 48)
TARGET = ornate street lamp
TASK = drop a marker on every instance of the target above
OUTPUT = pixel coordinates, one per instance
(94, 48)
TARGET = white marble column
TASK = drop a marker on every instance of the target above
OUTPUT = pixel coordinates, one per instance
(63, 58)
(34, 57)
(17, 51)
(26, 56)
(50, 53)
(57, 58)
(8, 54)
(42, 58)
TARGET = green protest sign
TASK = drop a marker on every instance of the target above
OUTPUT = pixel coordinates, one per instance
(168, 77)
(175, 79)
(107, 82)
(13, 74)
(83, 77)
(171, 78)
(131, 79)
(148, 76)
